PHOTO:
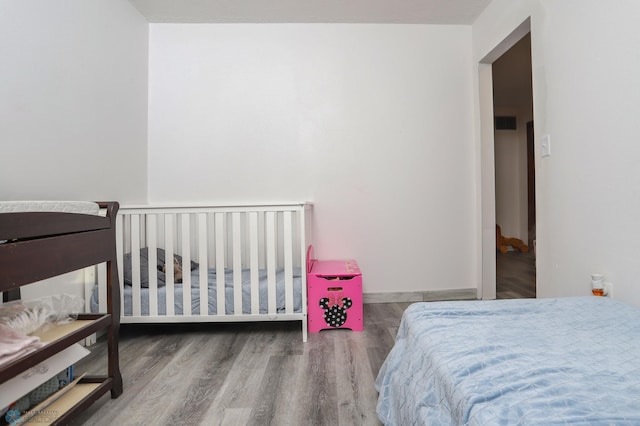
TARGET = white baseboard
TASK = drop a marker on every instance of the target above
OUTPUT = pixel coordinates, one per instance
(421, 296)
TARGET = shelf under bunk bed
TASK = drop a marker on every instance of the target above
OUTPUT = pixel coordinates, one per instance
(40, 244)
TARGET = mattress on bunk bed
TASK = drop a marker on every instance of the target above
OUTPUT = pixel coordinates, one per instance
(127, 309)
(82, 207)
(532, 361)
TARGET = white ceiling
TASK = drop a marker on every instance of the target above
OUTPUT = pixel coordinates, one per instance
(457, 12)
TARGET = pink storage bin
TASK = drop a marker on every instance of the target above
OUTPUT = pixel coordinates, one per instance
(334, 295)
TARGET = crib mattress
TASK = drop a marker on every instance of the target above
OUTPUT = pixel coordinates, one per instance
(532, 361)
(127, 309)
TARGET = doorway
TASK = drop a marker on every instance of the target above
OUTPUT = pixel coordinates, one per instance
(507, 167)
(515, 172)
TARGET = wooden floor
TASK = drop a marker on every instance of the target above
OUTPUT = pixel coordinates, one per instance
(515, 275)
(261, 373)
(246, 374)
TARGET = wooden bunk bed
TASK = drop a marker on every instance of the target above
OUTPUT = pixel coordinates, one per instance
(39, 245)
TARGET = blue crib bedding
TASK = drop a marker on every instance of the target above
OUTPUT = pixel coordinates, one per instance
(127, 309)
(510, 362)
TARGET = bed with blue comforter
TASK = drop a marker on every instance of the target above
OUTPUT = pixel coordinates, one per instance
(514, 362)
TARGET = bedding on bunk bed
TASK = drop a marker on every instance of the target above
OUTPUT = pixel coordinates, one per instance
(529, 361)
(81, 207)
(179, 309)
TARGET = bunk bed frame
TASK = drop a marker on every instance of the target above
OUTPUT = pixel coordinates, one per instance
(40, 245)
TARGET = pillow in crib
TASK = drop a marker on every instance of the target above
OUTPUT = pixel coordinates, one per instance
(144, 267)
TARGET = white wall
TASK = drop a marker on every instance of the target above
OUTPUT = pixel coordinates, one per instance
(587, 98)
(73, 107)
(373, 123)
(73, 100)
(508, 183)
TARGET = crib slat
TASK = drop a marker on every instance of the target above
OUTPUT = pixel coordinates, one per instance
(186, 264)
(119, 253)
(220, 263)
(254, 262)
(305, 238)
(203, 262)
(270, 225)
(135, 263)
(152, 246)
(237, 262)
(288, 261)
(168, 263)
(102, 286)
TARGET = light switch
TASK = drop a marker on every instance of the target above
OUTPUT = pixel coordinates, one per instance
(546, 145)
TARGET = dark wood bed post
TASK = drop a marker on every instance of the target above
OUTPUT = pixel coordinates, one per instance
(113, 303)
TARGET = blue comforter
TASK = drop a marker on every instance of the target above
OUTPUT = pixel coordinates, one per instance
(514, 362)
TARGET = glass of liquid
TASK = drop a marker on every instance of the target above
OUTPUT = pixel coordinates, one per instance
(597, 285)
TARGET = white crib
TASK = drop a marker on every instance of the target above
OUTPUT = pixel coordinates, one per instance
(240, 263)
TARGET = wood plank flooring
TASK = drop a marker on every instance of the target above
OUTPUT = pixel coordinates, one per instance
(246, 373)
(515, 275)
(261, 373)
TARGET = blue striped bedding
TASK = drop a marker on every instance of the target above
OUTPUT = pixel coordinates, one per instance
(279, 279)
(514, 362)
